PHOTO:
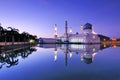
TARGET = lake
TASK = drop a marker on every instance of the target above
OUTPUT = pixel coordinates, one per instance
(61, 62)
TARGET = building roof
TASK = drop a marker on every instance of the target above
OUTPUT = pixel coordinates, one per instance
(87, 26)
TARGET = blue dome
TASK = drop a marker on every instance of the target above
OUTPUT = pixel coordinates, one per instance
(87, 26)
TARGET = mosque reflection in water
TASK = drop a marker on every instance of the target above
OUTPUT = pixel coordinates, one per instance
(86, 52)
(10, 58)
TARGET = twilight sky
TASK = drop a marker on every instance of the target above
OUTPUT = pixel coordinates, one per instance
(39, 16)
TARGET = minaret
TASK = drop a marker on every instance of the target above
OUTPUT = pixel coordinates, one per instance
(81, 28)
(70, 30)
(55, 31)
(66, 28)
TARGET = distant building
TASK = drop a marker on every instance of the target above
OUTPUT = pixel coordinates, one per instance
(47, 40)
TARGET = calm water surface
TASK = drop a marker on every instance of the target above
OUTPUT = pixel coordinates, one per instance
(61, 62)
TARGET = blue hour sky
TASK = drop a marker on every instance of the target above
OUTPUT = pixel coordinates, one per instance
(39, 16)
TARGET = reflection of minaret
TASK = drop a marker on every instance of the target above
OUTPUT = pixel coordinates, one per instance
(70, 54)
(66, 62)
(66, 28)
(81, 56)
(66, 55)
(55, 31)
(55, 54)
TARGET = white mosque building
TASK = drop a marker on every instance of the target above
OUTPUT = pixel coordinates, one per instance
(86, 35)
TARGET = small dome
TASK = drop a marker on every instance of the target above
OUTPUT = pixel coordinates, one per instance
(87, 26)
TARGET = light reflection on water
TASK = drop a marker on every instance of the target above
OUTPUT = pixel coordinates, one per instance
(61, 62)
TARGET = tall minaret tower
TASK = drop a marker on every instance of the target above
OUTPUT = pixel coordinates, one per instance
(70, 30)
(55, 31)
(66, 28)
(81, 28)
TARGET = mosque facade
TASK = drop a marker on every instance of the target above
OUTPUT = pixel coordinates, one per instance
(86, 35)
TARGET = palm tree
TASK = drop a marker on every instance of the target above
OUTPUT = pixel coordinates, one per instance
(24, 35)
(13, 32)
(1, 32)
(16, 34)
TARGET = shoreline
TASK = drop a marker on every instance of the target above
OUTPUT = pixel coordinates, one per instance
(16, 46)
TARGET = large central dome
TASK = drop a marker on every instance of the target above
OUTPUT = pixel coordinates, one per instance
(87, 26)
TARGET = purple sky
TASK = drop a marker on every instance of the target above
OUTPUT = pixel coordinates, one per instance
(39, 16)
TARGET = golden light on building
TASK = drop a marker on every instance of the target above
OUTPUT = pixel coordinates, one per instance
(114, 39)
(104, 39)
(114, 46)
(104, 45)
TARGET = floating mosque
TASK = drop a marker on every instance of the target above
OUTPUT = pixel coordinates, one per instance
(86, 35)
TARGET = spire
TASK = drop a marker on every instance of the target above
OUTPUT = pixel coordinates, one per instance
(66, 28)
(55, 31)
(70, 30)
(81, 28)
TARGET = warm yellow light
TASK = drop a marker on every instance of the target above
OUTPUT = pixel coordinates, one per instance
(104, 39)
(32, 41)
(114, 39)
(114, 46)
(104, 45)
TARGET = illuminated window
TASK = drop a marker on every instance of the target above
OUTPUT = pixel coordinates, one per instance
(77, 39)
(94, 37)
(77, 46)
(93, 49)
